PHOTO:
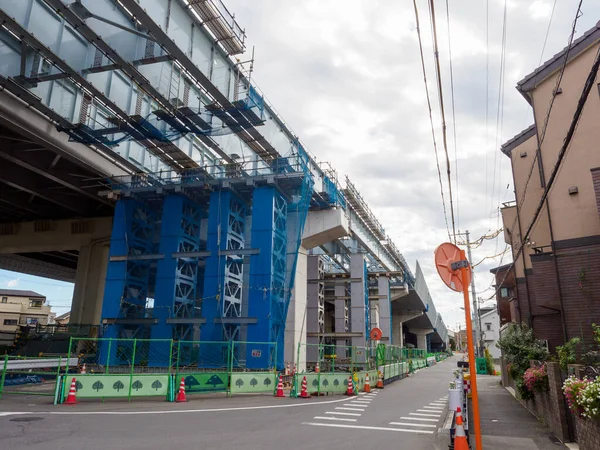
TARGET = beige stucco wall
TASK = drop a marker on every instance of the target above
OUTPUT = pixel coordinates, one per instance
(573, 216)
(18, 308)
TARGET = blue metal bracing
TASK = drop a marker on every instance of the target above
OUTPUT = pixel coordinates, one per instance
(178, 279)
(268, 296)
(127, 277)
(223, 274)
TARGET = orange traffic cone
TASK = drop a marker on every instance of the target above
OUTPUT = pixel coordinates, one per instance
(379, 380)
(279, 392)
(181, 394)
(72, 397)
(317, 369)
(304, 392)
(367, 387)
(350, 390)
(82, 369)
(460, 439)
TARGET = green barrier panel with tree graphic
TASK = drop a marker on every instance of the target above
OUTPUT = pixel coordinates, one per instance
(245, 382)
(204, 382)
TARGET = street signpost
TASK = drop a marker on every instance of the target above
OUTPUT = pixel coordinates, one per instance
(455, 271)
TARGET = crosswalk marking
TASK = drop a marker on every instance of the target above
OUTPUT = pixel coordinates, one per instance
(428, 411)
(420, 418)
(423, 414)
(363, 427)
(343, 413)
(426, 425)
(349, 409)
(343, 419)
(434, 408)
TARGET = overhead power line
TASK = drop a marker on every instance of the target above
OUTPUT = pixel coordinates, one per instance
(442, 113)
(437, 161)
(453, 117)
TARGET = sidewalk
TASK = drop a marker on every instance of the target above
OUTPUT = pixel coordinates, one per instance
(505, 424)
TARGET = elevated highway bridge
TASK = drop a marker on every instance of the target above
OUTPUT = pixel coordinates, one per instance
(138, 161)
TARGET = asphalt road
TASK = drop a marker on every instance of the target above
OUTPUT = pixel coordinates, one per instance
(405, 415)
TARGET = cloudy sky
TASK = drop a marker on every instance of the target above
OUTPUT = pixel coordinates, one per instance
(346, 76)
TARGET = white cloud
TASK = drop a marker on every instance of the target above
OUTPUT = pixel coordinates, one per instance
(540, 9)
(12, 283)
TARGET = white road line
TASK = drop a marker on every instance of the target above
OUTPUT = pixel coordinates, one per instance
(349, 409)
(429, 411)
(362, 427)
(419, 419)
(343, 413)
(425, 415)
(437, 404)
(360, 403)
(413, 424)
(356, 406)
(168, 411)
(434, 408)
(343, 419)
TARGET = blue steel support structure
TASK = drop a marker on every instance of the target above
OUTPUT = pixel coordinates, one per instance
(268, 298)
(224, 269)
(127, 276)
(178, 277)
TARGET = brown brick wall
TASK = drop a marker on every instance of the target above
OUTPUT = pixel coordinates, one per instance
(545, 309)
(550, 406)
(522, 302)
(596, 181)
(588, 433)
(579, 271)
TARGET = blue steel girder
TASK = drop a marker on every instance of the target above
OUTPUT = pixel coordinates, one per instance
(223, 280)
(127, 279)
(269, 294)
(178, 277)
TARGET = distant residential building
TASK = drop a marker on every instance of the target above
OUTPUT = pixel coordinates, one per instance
(490, 330)
(63, 319)
(557, 261)
(22, 308)
(506, 295)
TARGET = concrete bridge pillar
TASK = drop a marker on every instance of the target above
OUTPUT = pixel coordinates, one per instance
(421, 334)
(90, 277)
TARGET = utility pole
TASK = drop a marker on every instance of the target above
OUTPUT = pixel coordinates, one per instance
(473, 293)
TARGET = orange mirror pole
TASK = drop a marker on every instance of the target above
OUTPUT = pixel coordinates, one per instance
(472, 365)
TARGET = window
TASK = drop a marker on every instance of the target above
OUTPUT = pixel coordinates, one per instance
(32, 321)
(4, 299)
(35, 303)
(503, 292)
(488, 327)
(10, 321)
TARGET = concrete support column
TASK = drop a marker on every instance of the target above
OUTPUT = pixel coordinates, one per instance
(359, 300)
(397, 332)
(385, 308)
(422, 337)
(90, 277)
(295, 327)
(342, 319)
(315, 308)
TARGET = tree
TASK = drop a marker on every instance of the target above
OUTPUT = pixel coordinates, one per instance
(137, 385)
(315, 382)
(325, 382)
(98, 386)
(336, 382)
(78, 385)
(156, 385)
(239, 382)
(118, 386)
(253, 382)
(267, 381)
(519, 346)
